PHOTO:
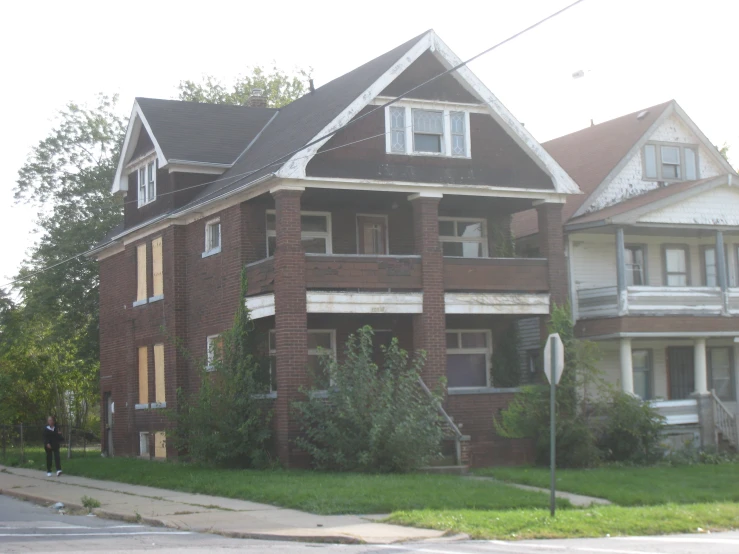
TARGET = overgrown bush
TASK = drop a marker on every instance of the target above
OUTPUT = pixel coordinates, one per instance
(528, 414)
(372, 419)
(632, 430)
(690, 454)
(226, 423)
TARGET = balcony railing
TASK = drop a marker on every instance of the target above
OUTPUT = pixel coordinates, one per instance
(605, 301)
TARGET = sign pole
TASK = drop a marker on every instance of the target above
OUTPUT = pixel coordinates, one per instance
(552, 430)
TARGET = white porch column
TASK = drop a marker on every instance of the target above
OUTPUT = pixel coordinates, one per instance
(736, 382)
(627, 370)
(699, 363)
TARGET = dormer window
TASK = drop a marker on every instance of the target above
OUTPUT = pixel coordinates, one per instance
(670, 162)
(432, 130)
(147, 181)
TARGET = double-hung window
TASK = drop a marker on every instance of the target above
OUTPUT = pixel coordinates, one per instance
(468, 355)
(670, 162)
(634, 260)
(431, 131)
(147, 182)
(710, 266)
(641, 362)
(214, 351)
(720, 370)
(676, 266)
(321, 343)
(315, 232)
(212, 237)
(463, 237)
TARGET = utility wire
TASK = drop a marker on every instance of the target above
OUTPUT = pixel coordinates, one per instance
(332, 133)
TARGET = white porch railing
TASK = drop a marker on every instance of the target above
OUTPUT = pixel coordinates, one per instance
(724, 422)
(677, 412)
(604, 301)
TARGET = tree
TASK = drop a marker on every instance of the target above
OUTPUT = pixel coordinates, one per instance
(280, 88)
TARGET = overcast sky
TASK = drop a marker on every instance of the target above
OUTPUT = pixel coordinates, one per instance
(635, 53)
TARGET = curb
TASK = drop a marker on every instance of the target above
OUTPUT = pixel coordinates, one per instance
(40, 500)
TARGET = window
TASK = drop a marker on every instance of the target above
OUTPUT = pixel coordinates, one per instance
(434, 130)
(320, 343)
(212, 237)
(372, 234)
(159, 392)
(719, 368)
(710, 266)
(382, 337)
(160, 444)
(641, 362)
(214, 350)
(141, 288)
(143, 375)
(468, 358)
(143, 444)
(670, 162)
(147, 180)
(463, 238)
(634, 260)
(157, 269)
(316, 232)
(676, 266)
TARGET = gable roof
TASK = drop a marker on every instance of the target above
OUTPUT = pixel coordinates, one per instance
(205, 133)
(589, 156)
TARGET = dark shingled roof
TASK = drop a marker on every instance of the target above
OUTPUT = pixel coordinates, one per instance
(588, 156)
(298, 122)
(195, 132)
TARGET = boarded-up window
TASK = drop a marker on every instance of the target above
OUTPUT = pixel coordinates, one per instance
(160, 445)
(159, 373)
(141, 272)
(143, 375)
(156, 267)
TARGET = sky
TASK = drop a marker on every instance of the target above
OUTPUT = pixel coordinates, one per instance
(634, 54)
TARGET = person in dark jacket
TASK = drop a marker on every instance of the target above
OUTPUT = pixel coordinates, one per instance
(52, 441)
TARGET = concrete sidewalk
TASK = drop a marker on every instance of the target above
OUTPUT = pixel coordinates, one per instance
(202, 513)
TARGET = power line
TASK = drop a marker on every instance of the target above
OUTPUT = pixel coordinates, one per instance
(332, 133)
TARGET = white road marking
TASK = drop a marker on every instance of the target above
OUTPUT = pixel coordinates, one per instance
(699, 540)
(611, 550)
(95, 534)
(527, 545)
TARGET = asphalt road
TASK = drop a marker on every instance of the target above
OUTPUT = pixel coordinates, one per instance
(25, 527)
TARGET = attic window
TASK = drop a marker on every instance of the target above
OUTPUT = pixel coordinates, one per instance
(670, 162)
(146, 174)
(427, 130)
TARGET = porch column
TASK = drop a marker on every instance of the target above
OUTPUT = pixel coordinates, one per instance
(429, 327)
(551, 247)
(736, 383)
(722, 273)
(291, 319)
(627, 370)
(699, 363)
(621, 272)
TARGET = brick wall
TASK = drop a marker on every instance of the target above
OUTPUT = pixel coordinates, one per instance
(362, 272)
(551, 246)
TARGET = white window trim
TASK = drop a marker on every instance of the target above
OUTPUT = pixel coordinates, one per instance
(658, 161)
(134, 169)
(483, 239)
(311, 351)
(208, 225)
(305, 234)
(144, 439)
(387, 233)
(209, 352)
(446, 108)
(488, 351)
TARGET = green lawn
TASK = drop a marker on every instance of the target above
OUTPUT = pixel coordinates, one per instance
(637, 486)
(591, 522)
(317, 492)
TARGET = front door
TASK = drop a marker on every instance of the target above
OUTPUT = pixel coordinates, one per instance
(372, 232)
(681, 372)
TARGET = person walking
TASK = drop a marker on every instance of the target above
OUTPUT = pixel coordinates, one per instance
(52, 440)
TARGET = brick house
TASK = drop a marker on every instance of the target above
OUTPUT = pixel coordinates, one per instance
(400, 221)
(653, 257)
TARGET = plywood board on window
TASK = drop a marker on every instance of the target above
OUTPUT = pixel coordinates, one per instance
(141, 272)
(157, 267)
(143, 375)
(160, 444)
(159, 373)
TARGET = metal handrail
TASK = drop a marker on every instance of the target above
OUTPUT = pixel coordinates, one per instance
(458, 436)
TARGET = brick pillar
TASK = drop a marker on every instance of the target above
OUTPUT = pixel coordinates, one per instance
(174, 317)
(291, 320)
(430, 326)
(551, 246)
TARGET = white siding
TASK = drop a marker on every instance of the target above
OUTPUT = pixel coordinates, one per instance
(629, 181)
(719, 206)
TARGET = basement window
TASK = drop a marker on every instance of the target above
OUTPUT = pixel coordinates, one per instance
(433, 130)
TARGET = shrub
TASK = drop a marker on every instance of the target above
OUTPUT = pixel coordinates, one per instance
(631, 430)
(225, 422)
(690, 454)
(373, 419)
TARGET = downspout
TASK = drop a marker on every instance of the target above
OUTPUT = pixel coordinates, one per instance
(569, 254)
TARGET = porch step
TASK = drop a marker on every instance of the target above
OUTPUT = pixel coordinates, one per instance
(446, 470)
